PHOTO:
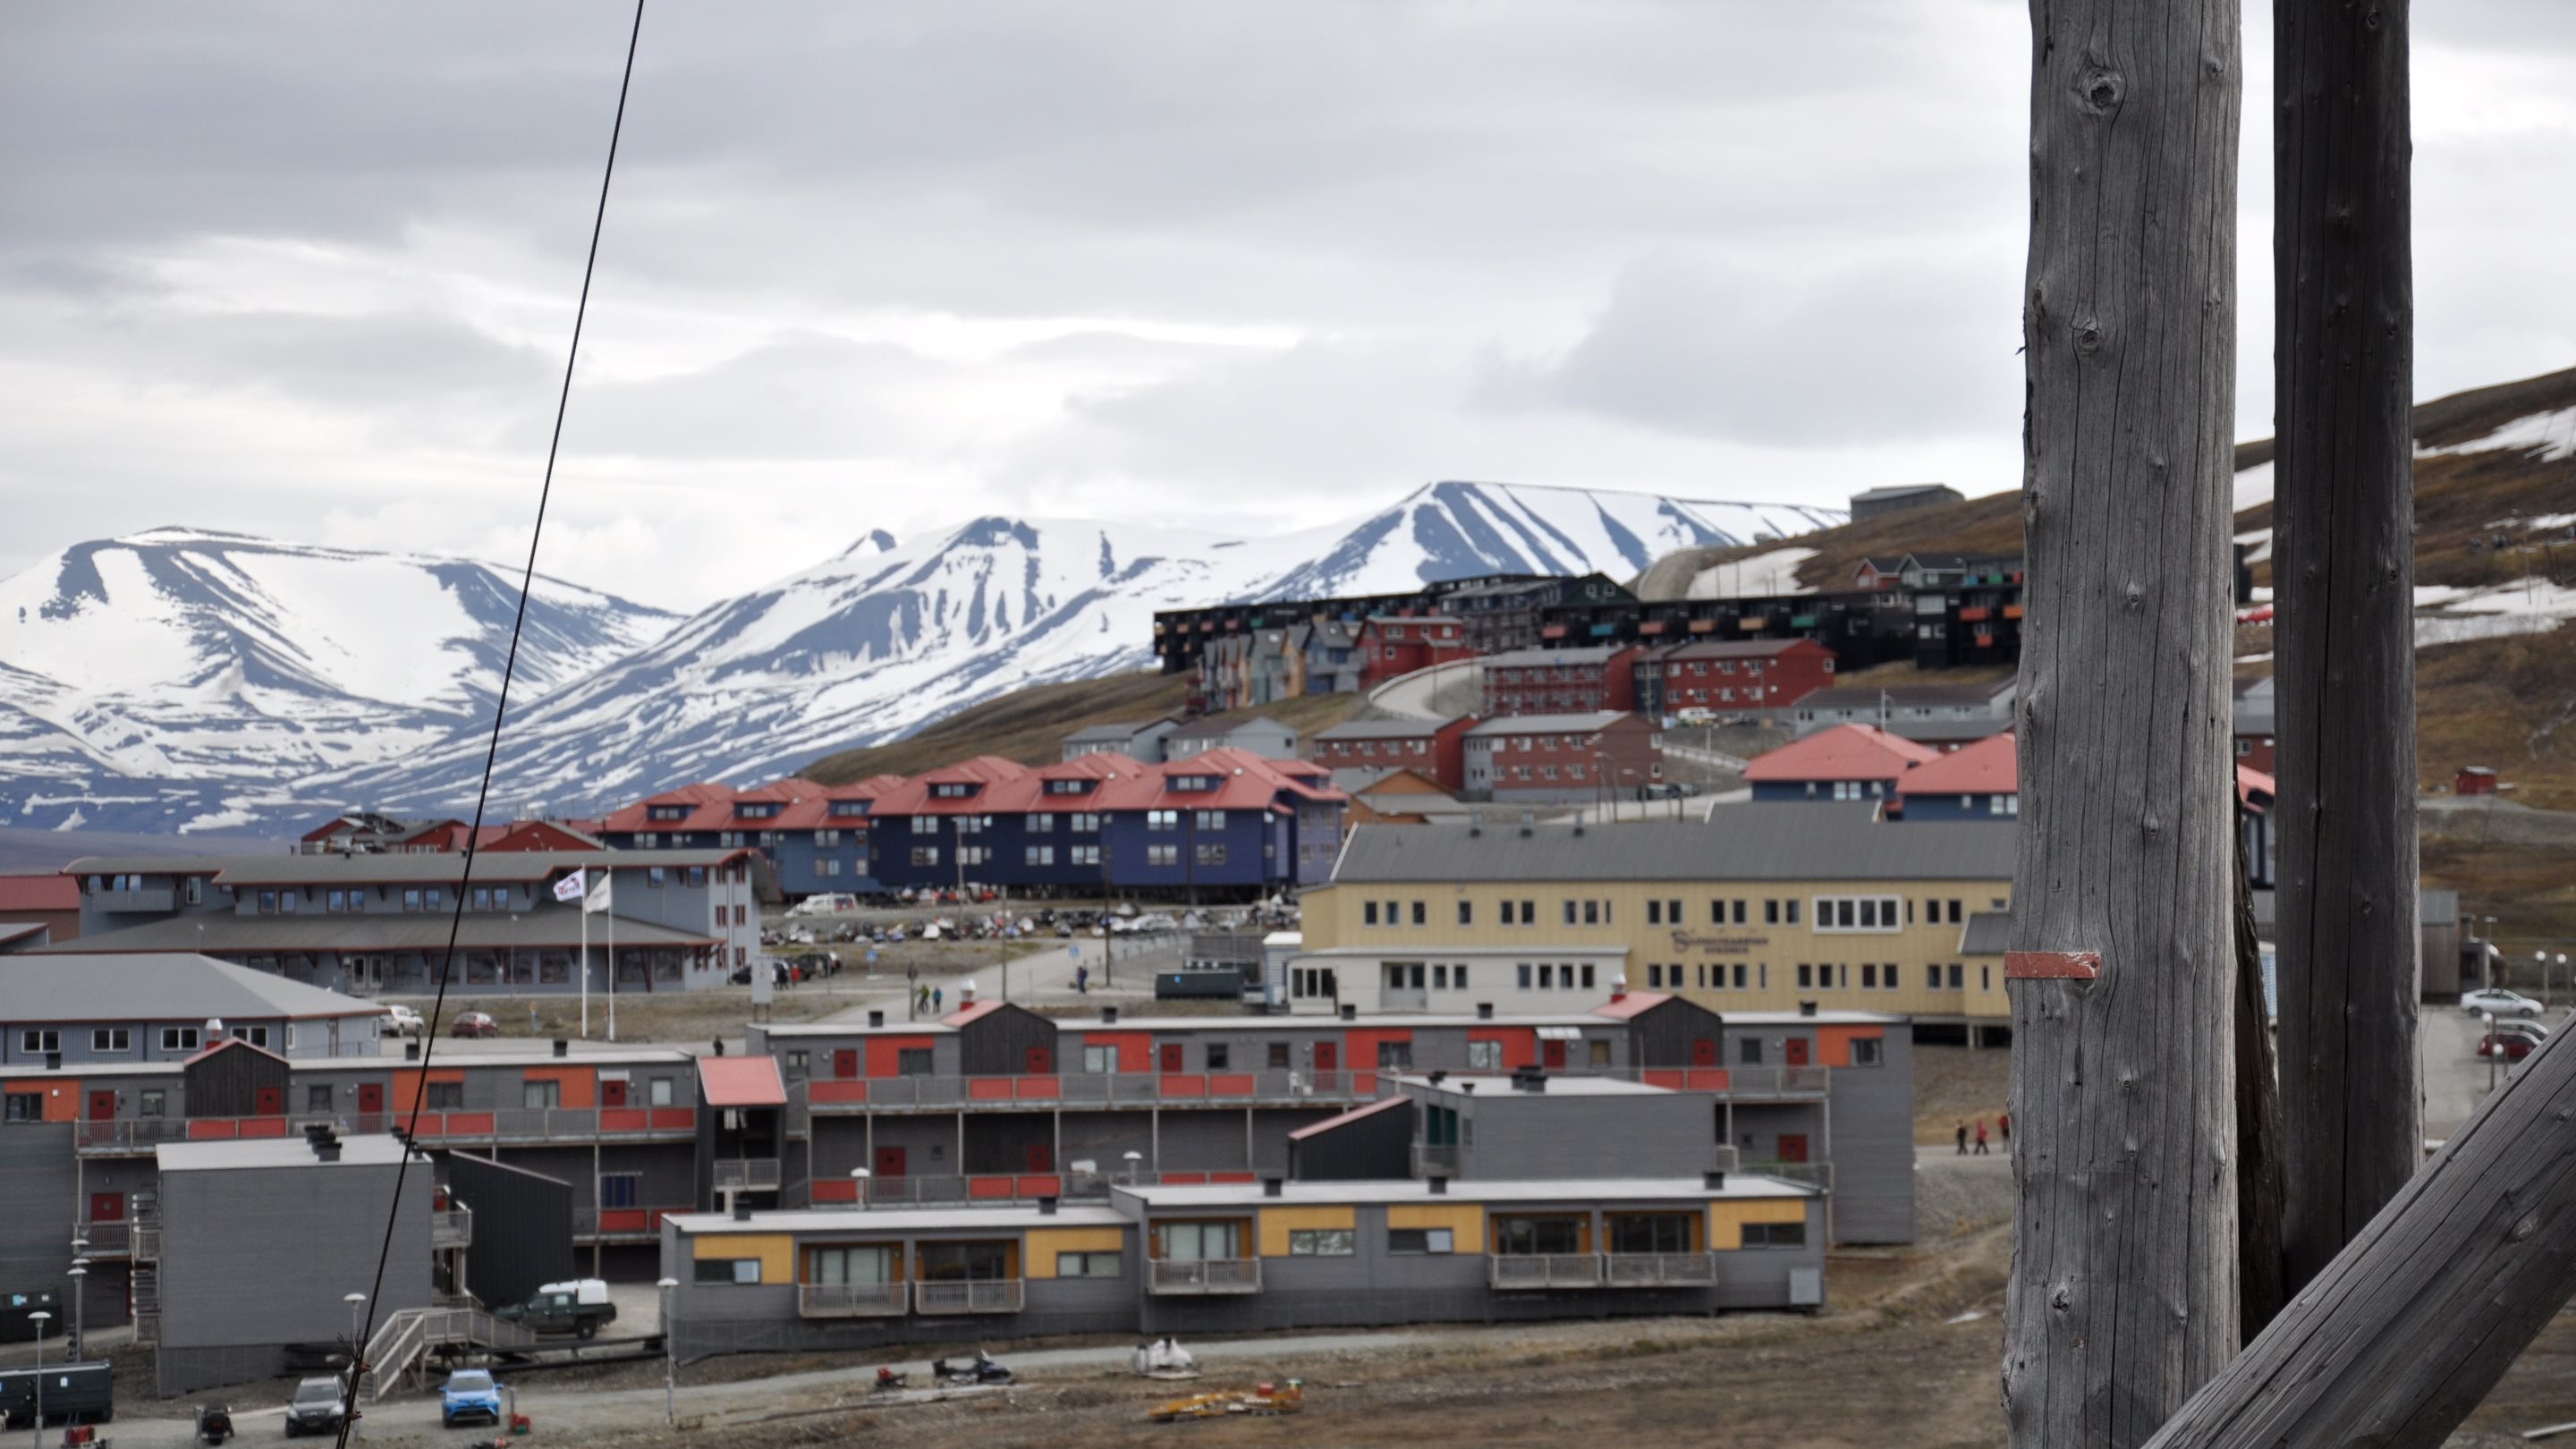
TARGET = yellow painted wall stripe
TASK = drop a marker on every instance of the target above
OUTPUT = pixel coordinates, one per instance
(776, 1252)
(1466, 1224)
(1277, 1223)
(1726, 1220)
(1044, 1243)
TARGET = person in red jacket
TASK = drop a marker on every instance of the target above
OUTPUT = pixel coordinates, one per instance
(1981, 1138)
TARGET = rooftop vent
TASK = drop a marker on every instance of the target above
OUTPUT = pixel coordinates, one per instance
(1046, 1204)
(1439, 1186)
(1806, 1008)
(1716, 1180)
(741, 1211)
(1350, 1011)
(1484, 1011)
(1467, 1087)
(563, 1048)
(1618, 988)
(1528, 1079)
(1438, 1077)
(966, 993)
(1529, 822)
(1274, 1187)
(411, 1051)
(324, 1142)
(876, 1019)
(1109, 1013)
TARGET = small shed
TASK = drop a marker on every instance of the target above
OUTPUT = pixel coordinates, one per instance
(2474, 780)
(1370, 1143)
(233, 1078)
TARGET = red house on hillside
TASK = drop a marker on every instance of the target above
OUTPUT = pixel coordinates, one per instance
(1434, 749)
(1584, 680)
(1390, 645)
(1727, 676)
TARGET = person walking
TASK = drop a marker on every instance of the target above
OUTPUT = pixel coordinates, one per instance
(921, 999)
(2005, 1122)
(937, 996)
(1981, 1138)
(1082, 981)
(1963, 1139)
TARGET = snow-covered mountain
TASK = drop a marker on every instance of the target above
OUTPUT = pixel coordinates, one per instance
(182, 675)
(183, 678)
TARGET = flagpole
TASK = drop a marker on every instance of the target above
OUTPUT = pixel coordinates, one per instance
(584, 910)
(611, 913)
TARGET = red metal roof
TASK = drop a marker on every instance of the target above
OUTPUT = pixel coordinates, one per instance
(1844, 752)
(741, 1082)
(1635, 1003)
(1344, 1119)
(38, 893)
(1991, 766)
(965, 1014)
(227, 1044)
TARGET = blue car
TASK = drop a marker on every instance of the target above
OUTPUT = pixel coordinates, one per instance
(469, 1396)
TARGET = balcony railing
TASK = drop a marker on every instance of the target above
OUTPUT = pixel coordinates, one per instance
(452, 1228)
(1408, 998)
(136, 1135)
(106, 1239)
(829, 1095)
(991, 1295)
(851, 1300)
(621, 1224)
(1430, 1161)
(1205, 1275)
(159, 900)
(1545, 1270)
(746, 1174)
(1659, 1270)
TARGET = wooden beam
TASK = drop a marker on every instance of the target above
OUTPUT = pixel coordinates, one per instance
(2343, 570)
(2397, 1340)
(2122, 1297)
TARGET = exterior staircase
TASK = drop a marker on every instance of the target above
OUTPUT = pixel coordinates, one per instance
(407, 1337)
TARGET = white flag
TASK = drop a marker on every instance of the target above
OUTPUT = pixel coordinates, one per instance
(597, 903)
(569, 888)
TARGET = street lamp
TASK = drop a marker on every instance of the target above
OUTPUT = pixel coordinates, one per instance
(39, 1319)
(670, 1358)
(79, 1274)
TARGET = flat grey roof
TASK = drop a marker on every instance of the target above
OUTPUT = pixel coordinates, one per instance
(546, 925)
(83, 983)
(150, 864)
(1574, 1190)
(1790, 840)
(1380, 729)
(962, 1218)
(1902, 696)
(444, 866)
(1942, 731)
(1546, 724)
(1574, 654)
(381, 1149)
(1209, 728)
(1106, 733)
(1558, 1085)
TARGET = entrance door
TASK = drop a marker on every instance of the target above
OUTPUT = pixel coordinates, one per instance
(371, 1098)
(889, 1162)
(268, 1102)
(102, 1106)
(612, 1093)
(1796, 1051)
(1041, 1061)
(1171, 1056)
(1793, 1147)
(1041, 1157)
(1328, 1056)
(845, 1063)
(1551, 1055)
(107, 1207)
(1704, 1051)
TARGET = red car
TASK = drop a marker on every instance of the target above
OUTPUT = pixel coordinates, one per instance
(474, 1023)
(2513, 1044)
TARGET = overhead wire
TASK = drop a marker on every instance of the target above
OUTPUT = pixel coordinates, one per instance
(491, 756)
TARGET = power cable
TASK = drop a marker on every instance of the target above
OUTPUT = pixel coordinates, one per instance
(491, 755)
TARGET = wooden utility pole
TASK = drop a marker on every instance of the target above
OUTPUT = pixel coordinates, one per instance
(2343, 573)
(2122, 1298)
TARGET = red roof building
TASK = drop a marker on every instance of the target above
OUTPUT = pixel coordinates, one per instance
(1390, 645)
(1730, 676)
(741, 1082)
(50, 901)
(1846, 762)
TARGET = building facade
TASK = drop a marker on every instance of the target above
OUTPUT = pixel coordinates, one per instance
(1558, 681)
(1561, 758)
(1727, 677)
(1433, 749)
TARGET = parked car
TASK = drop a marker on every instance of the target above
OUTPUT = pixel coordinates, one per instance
(403, 1021)
(2497, 1001)
(2513, 1046)
(577, 1306)
(469, 1395)
(474, 1023)
(2524, 1026)
(316, 1408)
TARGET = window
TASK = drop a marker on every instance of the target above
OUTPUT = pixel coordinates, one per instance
(111, 1039)
(443, 1096)
(912, 1062)
(1278, 1056)
(660, 1092)
(1655, 977)
(657, 876)
(1162, 855)
(1086, 824)
(1188, 1242)
(1770, 913)
(1084, 855)
(1775, 1235)
(178, 1038)
(1418, 917)
(36, 1042)
(1546, 978)
(1866, 1051)
(1806, 978)
(1218, 1055)
(1458, 976)
(151, 1102)
(1955, 974)
(841, 1264)
(541, 1095)
(1320, 1242)
(1466, 913)
(1162, 820)
(1739, 976)
(1209, 854)
(728, 1270)
(797, 1065)
(925, 855)
(1395, 1056)
(1932, 977)
(1868, 976)
(1858, 913)
(195, 890)
(317, 1098)
(1525, 976)
(1100, 1060)
(1484, 1056)
(24, 1107)
(1041, 823)
(1211, 820)
(697, 876)
(1419, 1240)
(256, 1035)
(1088, 1265)
(1368, 913)
(1037, 855)
(925, 825)
(1748, 1052)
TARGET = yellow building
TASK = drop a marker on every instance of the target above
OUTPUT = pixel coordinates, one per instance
(1765, 907)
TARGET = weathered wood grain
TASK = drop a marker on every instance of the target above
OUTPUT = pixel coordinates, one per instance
(2402, 1334)
(2343, 569)
(2122, 1297)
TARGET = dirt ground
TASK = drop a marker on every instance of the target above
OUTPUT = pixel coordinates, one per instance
(1953, 1084)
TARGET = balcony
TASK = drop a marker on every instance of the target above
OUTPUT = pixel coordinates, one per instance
(1205, 1275)
(1544, 1270)
(852, 1300)
(621, 1224)
(1660, 1270)
(159, 900)
(453, 1228)
(991, 1295)
(746, 1174)
(829, 1095)
(1431, 1161)
(1405, 999)
(106, 1239)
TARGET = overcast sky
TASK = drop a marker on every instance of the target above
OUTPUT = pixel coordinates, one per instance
(308, 270)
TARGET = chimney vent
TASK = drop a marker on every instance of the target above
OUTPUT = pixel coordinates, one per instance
(1528, 1079)
(563, 1048)
(741, 1211)
(1484, 1011)
(1618, 988)
(1350, 1012)
(326, 1151)
(1046, 1204)
(1439, 1186)
(1437, 1077)
(876, 1019)
(1806, 1008)
(411, 1051)
(1274, 1187)
(1716, 1180)
(1109, 1014)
